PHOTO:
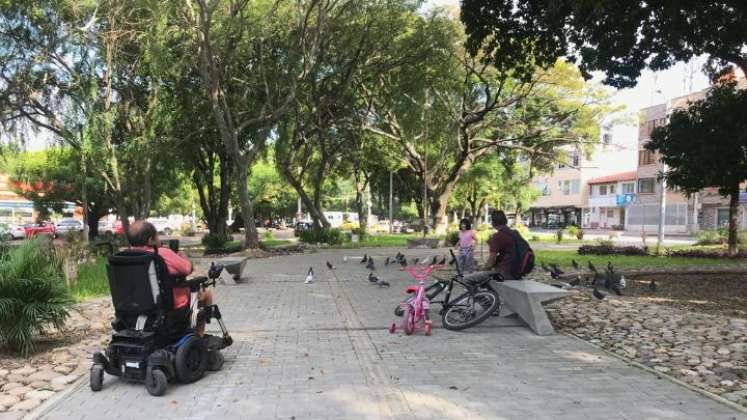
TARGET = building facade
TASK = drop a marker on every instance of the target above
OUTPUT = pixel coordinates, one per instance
(564, 193)
(608, 198)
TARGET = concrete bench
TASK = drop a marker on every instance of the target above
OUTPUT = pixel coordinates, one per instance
(234, 266)
(525, 298)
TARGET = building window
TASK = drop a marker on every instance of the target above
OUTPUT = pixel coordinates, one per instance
(628, 188)
(602, 190)
(575, 159)
(610, 213)
(646, 185)
(543, 187)
(612, 189)
(646, 157)
(571, 186)
(722, 217)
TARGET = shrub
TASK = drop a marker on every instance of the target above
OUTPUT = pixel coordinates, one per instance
(559, 236)
(535, 238)
(702, 253)
(226, 248)
(607, 248)
(34, 295)
(215, 240)
(452, 237)
(188, 231)
(580, 234)
(572, 230)
(269, 235)
(322, 236)
(709, 237)
(92, 280)
(523, 230)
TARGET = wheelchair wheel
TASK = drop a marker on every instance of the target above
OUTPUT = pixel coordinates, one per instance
(97, 377)
(156, 382)
(191, 360)
(215, 360)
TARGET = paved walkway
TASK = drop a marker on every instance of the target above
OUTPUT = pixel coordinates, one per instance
(322, 351)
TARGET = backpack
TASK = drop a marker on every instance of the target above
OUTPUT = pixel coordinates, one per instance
(523, 256)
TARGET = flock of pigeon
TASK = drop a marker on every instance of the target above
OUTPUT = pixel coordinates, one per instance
(373, 278)
(611, 280)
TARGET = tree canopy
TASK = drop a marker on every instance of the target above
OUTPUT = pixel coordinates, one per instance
(620, 38)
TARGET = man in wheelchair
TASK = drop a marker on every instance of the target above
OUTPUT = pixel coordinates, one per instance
(160, 317)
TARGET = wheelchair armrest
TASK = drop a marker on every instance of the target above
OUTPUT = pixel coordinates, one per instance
(195, 283)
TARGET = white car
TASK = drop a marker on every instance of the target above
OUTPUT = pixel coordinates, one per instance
(13, 231)
(162, 225)
(69, 225)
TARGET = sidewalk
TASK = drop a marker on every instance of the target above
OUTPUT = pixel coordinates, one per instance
(322, 351)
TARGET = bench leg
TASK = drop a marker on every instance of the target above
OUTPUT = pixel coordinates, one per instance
(529, 310)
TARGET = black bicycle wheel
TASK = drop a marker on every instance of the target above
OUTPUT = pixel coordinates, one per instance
(470, 309)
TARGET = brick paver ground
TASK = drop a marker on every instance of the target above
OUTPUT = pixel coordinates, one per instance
(323, 351)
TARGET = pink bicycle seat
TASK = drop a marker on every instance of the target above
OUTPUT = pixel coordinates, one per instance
(411, 289)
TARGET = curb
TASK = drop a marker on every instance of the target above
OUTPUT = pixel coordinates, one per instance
(700, 391)
(51, 402)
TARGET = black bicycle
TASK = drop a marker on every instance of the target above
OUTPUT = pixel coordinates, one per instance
(476, 304)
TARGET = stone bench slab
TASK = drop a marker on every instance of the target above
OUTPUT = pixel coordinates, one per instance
(525, 298)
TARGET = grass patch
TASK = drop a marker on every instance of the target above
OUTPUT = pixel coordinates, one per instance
(227, 248)
(271, 243)
(92, 280)
(398, 240)
(563, 259)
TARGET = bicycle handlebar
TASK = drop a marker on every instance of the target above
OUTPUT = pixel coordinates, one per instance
(421, 275)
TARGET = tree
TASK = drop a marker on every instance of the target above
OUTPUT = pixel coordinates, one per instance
(704, 144)
(620, 38)
(52, 177)
(447, 113)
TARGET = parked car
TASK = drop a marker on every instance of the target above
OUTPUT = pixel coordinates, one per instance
(12, 231)
(107, 229)
(162, 225)
(69, 225)
(300, 227)
(43, 228)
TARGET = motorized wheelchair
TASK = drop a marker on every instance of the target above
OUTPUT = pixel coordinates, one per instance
(152, 342)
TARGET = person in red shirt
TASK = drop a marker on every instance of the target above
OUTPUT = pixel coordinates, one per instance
(501, 245)
(143, 236)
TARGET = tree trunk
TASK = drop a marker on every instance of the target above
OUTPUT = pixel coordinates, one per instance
(317, 216)
(92, 219)
(733, 219)
(251, 238)
(438, 210)
(360, 187)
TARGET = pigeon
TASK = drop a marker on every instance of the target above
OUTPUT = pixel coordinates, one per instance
(310, 276)
(372, 278)
(610, 268)
(623, 284)
(443, 261)
(652, 286)
(424, 262)
(345, 259)
(599, 295)
(330, 266)
(556, 269)
(370, 264)
(545, 267)
(591, 267)
(615, 288)
(383, 283)
(364, 259)
(561, 285)
(434, 260)
(415, 261)
(386, 262)
(403, 262)
(574, 264)
(576, 281)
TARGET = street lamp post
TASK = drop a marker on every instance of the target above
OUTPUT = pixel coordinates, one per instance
(391, 203)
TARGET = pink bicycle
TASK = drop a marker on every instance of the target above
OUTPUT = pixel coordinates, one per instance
(416, 307)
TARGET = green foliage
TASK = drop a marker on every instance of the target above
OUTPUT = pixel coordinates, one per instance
(34, 296)
(572, 230)
(330, 236)
(452, 237)
(226, 248)
(718, 236)
(607, 248)
(704, 253)
(622, 262)
(269, 235)
(92, 280)
(215, 240)
(618, 38)
(559, 236)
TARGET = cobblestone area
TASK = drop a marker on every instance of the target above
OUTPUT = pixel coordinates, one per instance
(321, 351)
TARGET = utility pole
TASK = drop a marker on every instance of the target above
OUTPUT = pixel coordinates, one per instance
(84, 189)
(662, 207)
(391, 203)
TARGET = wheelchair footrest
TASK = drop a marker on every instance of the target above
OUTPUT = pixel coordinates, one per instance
(215, 342)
